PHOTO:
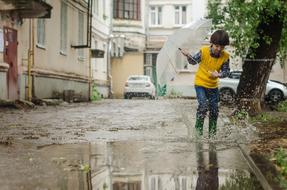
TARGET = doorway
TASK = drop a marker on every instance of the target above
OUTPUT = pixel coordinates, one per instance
(10, 57)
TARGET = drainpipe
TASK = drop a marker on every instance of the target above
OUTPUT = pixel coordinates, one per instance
(90, 76)
(30, 57)
(109, 66)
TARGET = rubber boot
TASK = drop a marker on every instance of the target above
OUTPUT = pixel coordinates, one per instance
(212, 127)
(199, 126)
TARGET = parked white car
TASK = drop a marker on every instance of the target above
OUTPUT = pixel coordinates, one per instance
(275, 91)
(139, 86)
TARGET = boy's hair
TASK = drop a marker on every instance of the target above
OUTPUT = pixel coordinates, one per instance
(220, 37)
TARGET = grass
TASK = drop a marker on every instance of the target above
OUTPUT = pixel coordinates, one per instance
(265, 118)
(282, 106)
(241, 181)
(279, 158)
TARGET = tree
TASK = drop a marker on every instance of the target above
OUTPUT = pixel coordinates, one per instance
(258, 30)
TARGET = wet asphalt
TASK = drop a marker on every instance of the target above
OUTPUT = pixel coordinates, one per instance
(121, 144)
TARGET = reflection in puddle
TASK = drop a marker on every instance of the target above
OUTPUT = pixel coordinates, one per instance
(161, 166)
(142, 166)
(207, 173)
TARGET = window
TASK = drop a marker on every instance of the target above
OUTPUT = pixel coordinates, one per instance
(150, 65)
(64, 26)
(148, 59)
(96, 7)
(155, 15)
(104, 9)
(127, 9)
(180, 15)
(105, 48)
(81, 34)
(41, 32)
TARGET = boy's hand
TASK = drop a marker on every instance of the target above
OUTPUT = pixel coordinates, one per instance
(184, 52)
(215, 74)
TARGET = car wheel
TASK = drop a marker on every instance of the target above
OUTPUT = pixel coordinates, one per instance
(226, 95)
(275, 95)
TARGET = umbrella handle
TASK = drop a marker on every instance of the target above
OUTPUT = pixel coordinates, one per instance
(187, 55)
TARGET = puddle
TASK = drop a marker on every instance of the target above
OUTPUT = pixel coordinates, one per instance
(125, 165)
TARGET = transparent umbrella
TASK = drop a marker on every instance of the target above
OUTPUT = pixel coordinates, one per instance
(189, 37)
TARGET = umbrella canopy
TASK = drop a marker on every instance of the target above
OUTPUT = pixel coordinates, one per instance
(189, 37)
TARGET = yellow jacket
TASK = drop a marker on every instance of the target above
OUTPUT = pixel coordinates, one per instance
(207, 65)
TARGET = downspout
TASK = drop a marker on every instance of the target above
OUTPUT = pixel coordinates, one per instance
(89, 34)
(90, 76)
(30, 57)
(109, 66)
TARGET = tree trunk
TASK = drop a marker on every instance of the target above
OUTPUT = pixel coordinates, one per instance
(256, 71)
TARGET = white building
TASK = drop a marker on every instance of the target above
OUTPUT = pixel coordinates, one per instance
(101, 32)
(128, 41)
(164, 18)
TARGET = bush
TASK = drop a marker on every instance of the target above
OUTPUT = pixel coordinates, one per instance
(282, 106)
(95, 94)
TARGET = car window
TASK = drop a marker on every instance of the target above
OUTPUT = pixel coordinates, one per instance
(235, 75)
(138, 78)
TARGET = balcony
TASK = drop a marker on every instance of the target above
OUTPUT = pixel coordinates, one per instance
(26, 8)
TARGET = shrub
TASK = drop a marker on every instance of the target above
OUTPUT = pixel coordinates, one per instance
(95, 94)
(282, 106)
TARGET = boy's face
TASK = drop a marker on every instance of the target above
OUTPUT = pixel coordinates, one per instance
(217, 48)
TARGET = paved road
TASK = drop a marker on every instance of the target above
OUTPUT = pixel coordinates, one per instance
(142, 144)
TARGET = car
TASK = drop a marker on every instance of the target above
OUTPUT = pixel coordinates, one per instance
(139, 86)
(275, 91)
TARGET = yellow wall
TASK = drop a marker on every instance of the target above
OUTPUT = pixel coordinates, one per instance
(129, 64)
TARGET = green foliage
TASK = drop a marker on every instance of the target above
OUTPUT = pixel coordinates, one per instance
(280, 156)
(85, 168)
(280, 159)
(239, 181)
(161, 90)
(282, 106)
(95, 94)
(241, 115)
(241, 20)
(265, 118)
(240, 118)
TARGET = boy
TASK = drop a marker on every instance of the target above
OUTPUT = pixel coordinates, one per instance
(213, 64)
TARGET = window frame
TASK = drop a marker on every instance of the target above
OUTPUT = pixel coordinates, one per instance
(81, 20)
(64, 28)
(127, 9)
(180, 14)
(41, 33)
(157, 20)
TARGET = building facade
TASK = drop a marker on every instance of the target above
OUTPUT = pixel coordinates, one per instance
(164, 18)
(52, 54)
(128, 42)
(13, 15)
(101, 40)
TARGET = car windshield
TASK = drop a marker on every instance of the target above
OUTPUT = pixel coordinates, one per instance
(138, 78)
